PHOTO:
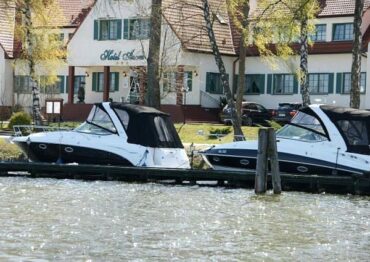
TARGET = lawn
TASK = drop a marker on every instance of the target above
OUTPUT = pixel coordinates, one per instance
(201, 133)
(8, 150)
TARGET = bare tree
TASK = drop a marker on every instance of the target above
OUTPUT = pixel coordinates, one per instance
(238, 133)
(239, 10)
(153, 90)
(356, 55)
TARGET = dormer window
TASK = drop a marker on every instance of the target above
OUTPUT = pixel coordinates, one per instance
(136, 28)
(220, 18)
(343, 32)
(107, 29)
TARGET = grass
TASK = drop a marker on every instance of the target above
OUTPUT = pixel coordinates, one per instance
(8, 150)
(199, 133)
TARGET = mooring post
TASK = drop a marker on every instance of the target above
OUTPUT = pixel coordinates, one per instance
(274, 161)
(260, 184)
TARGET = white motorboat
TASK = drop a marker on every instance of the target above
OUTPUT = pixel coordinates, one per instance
(113, 134)
(320, 139)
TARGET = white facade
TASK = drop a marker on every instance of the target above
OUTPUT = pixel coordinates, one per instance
(6, 80)
(89, 55)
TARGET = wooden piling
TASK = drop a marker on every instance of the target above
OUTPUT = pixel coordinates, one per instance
(260, 185)
(274, 161)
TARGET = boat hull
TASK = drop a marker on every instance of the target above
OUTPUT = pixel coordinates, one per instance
(59, 153)
(246, 159)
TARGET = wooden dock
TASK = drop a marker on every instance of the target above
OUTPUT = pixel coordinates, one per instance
(358, 185)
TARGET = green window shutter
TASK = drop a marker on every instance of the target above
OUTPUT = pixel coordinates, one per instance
(96, 29)
(116, 84)
(261, 83)
(125, 29)
(67, 84)
(269, 84)
(119, 29)
(295, 85)
(61, 84)
(222, 89)
(208, 82)
(95, 82)
(331, 83)
(235, 83)
(339, 83)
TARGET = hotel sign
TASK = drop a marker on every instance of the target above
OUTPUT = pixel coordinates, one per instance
(112, 55)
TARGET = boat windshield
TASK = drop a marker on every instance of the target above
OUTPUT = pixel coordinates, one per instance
(303, 127)
(98, 122)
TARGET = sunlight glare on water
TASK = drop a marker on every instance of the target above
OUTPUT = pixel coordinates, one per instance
(47, 219)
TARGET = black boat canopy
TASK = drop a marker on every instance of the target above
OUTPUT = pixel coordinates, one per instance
(353, 125)
(147, 126)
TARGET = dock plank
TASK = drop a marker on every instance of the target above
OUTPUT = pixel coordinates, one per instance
(307, 183)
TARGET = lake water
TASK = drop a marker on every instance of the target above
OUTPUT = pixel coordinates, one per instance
(71, 220)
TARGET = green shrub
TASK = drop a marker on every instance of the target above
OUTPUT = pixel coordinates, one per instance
(17, 108)
(218, 132)
(19, 118)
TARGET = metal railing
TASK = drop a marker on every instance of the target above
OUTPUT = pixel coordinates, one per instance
(24, 130)
(209, 100)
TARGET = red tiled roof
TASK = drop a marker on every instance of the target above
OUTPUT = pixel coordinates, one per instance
(7, 27)
(340, 7)
(187, 21)
(74, 11)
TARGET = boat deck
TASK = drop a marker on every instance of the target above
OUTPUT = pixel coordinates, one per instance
(358, 185)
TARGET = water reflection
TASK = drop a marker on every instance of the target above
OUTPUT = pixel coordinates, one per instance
(113, 221)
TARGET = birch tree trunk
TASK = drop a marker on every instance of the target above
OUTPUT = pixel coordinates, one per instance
(238, 133)
(356, 55)
(36, 112)
(153, 90)
(303, 76)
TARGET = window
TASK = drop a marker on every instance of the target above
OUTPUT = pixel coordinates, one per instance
(254, 84)
(169, 82)
(79, 80)
(320, 83)
(23, 84)
(98, 122)
(214, 83)
(283, 84)
(344, 83)
(123, 116)
(107, 29)
(305, 127)
(343, 32)
(98, 82)
(188, 81)
(138, 28)
(55, 88)
(320, 33)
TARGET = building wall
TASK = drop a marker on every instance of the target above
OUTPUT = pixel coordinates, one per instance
(5, 80)
(328, 63)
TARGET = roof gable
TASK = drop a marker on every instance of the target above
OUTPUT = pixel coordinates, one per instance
(7, 17)
(340, 7)
(187, 21)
